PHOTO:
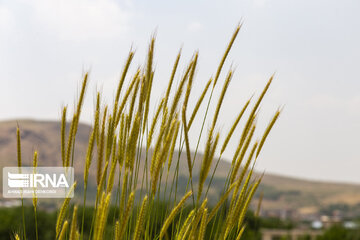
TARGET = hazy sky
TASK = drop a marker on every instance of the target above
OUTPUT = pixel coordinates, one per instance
(313, 46)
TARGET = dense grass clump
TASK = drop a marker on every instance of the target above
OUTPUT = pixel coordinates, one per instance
(133, 201)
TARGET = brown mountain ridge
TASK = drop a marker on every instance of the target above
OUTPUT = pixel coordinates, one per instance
(280, 193)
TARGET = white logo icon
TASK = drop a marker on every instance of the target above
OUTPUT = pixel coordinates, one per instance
(18, 180)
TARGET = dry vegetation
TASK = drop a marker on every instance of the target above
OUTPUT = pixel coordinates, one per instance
(122, 129)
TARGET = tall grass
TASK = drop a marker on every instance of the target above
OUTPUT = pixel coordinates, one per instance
(122, 129)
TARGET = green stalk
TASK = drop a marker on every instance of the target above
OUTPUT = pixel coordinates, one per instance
(83, 214)
(23, 217)
(36, 224)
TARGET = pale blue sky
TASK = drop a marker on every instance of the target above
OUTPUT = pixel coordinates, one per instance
(313, 46)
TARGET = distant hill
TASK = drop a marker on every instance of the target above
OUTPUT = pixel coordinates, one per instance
(306, 197)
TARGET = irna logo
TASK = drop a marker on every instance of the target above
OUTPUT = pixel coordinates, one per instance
(42, 182)
(16, 180)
